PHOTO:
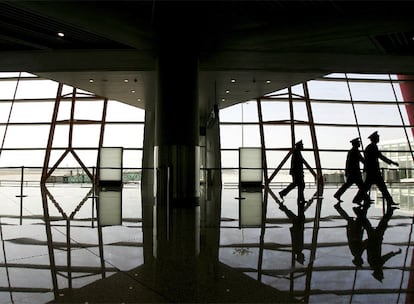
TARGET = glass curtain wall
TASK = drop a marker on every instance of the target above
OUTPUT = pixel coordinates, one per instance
(343, 107)
(26, 110)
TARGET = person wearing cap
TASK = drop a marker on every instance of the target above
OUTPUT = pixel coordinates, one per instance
(373, 172)
(296, 170)
(352, 169)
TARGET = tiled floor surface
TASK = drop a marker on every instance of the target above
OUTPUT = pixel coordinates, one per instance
(237, 246)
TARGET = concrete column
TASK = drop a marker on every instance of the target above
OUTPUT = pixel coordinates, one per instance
(147, 186)
(177, 123)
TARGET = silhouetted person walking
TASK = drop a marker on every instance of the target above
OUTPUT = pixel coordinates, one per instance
(296, 170)
(373, 171)
(352, 169)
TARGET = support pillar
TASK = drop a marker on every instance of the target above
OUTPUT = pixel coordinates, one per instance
(176, 149)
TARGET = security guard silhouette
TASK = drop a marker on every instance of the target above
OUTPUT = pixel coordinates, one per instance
(352, 169)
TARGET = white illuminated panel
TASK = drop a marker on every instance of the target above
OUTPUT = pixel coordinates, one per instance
(110, 164)
(110, 208)
(250, 209)
(250, 163)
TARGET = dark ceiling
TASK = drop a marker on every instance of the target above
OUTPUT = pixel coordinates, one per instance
(254, 42)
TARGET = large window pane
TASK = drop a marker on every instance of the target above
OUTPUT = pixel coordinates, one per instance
(378, 114)
(26, 136)
(230, 159)
(333, 113)
(277, 136)
(251, 136)
(335, 137)
(64, 110)
(89, 110)
(88, 157)
(2, 130)
(132, 159)
(231, 114)
(4, 111)
(37, 89)
(68, 161)
(118, 111)
(17, 158)
(275, 158)
(328, 90)
(86, 135)
(32, 112)
(385, 134)
(61, 136)
(369, 76)
(7, 89)
(298, 90)
(303, 133)
(309, 157)
(249, 110)
(128, 135)
(372, 91)
(274, 110)
(231, 136)
(334, 161)
(300, 111)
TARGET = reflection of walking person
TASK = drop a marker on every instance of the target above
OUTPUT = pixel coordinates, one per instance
(296, 170)
(373, 245)
(352, 169)
(373, 171)
(296, 231)
(354, 233)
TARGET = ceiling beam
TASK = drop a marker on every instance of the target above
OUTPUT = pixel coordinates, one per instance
(77, 60)
(134, 60)
(308, 62)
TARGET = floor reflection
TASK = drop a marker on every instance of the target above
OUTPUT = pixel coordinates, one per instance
(78, 244)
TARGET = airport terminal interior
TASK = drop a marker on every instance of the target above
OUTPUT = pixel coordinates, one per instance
(145, 146)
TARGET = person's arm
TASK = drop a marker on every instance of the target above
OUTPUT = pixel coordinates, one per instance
(386, 159)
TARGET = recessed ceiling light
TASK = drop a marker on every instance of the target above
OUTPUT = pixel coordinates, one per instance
(132, 91)
(60, 34)
(139, 99)
(227, 91)
(223, 99)
(91, 80)
(268, 81)
(233, 80)
(125, 80)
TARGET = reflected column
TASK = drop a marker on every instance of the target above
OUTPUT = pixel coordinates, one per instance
(176, 252)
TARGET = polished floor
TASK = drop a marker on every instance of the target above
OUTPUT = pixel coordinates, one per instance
(238, 246)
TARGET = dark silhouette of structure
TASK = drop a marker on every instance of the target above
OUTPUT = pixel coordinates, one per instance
(352, 169)
(296, 170)
(373, 171)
